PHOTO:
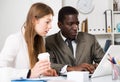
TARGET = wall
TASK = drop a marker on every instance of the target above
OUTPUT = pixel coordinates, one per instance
(13, 14)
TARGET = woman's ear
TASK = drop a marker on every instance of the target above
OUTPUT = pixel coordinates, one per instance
(36, 21)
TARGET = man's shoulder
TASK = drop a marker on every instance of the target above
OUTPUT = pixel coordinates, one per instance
(85, 34)
(53, 36)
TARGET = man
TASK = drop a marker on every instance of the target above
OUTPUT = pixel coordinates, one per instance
(86, 49)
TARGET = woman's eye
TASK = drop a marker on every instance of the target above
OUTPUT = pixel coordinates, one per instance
(48, 22)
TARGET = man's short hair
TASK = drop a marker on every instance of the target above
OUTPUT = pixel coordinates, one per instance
(67, 10)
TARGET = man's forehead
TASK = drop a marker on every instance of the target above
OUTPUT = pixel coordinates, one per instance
(71, 17)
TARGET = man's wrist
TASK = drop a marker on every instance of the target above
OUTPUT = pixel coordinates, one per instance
(69, 68)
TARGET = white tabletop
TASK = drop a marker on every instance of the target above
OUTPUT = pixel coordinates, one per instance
(64, 79)
(107, 78)
(103, 79)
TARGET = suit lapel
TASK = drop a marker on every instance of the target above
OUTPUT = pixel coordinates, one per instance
(80, 47)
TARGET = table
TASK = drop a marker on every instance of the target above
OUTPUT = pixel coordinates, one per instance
(107, 78)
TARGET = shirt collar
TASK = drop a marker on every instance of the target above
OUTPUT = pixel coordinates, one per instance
(64, 38)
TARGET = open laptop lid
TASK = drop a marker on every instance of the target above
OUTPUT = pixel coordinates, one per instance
(105, 67)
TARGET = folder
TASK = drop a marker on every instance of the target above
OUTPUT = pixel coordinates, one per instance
(107, 45)
(108, 20)
(84, 27)
(28, 80)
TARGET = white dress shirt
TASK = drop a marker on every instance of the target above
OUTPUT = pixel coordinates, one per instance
(64, 69)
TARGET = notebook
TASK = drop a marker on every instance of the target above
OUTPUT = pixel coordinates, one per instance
(41, 79)
(105, 68)
(27, 80)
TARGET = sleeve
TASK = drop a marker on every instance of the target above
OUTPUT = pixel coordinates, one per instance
(7, 59)
(64, 70)
(98, 51)
(53, 59)
(9, 73)
(9, 51)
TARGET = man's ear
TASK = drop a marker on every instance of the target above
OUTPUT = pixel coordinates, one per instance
(59, 24)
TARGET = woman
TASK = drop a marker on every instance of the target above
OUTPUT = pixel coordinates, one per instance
(19, 54)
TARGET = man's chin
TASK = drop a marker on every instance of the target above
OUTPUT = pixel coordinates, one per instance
(73, 37)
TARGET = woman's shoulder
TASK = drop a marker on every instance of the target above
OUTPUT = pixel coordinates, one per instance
(14, 36)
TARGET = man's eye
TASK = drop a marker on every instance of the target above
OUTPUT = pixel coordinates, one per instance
(77, 23)
(70, 24)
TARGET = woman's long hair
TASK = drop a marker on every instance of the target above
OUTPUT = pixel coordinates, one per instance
(35, 42)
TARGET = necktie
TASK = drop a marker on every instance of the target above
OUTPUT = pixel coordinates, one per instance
(70, 44)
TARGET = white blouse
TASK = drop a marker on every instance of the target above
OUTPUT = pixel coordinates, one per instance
(14, 59)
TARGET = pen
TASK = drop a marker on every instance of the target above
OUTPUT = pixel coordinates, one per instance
(110, 60)
(113, 60)
(110, 56)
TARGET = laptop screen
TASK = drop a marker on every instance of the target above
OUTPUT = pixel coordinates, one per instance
(105, 66)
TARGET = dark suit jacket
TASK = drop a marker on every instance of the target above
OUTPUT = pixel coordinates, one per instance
(87, 51)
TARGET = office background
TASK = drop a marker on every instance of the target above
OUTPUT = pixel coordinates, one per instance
(13, 14)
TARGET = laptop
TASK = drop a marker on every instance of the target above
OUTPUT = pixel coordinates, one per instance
(105, 68)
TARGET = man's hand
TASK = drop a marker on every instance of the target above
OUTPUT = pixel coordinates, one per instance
(83, 67)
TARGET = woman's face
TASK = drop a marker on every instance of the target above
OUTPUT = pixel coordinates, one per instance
(43, 25)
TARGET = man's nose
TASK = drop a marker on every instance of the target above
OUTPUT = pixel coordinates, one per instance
(75, 26)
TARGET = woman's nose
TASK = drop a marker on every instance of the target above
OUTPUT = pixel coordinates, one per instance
(49, 26)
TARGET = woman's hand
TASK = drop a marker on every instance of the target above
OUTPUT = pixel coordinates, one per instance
(40, 68)
(50, 72)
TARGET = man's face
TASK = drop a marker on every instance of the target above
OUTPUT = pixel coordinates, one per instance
(69, 27)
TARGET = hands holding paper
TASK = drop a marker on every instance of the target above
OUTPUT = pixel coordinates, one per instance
(83, 67)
